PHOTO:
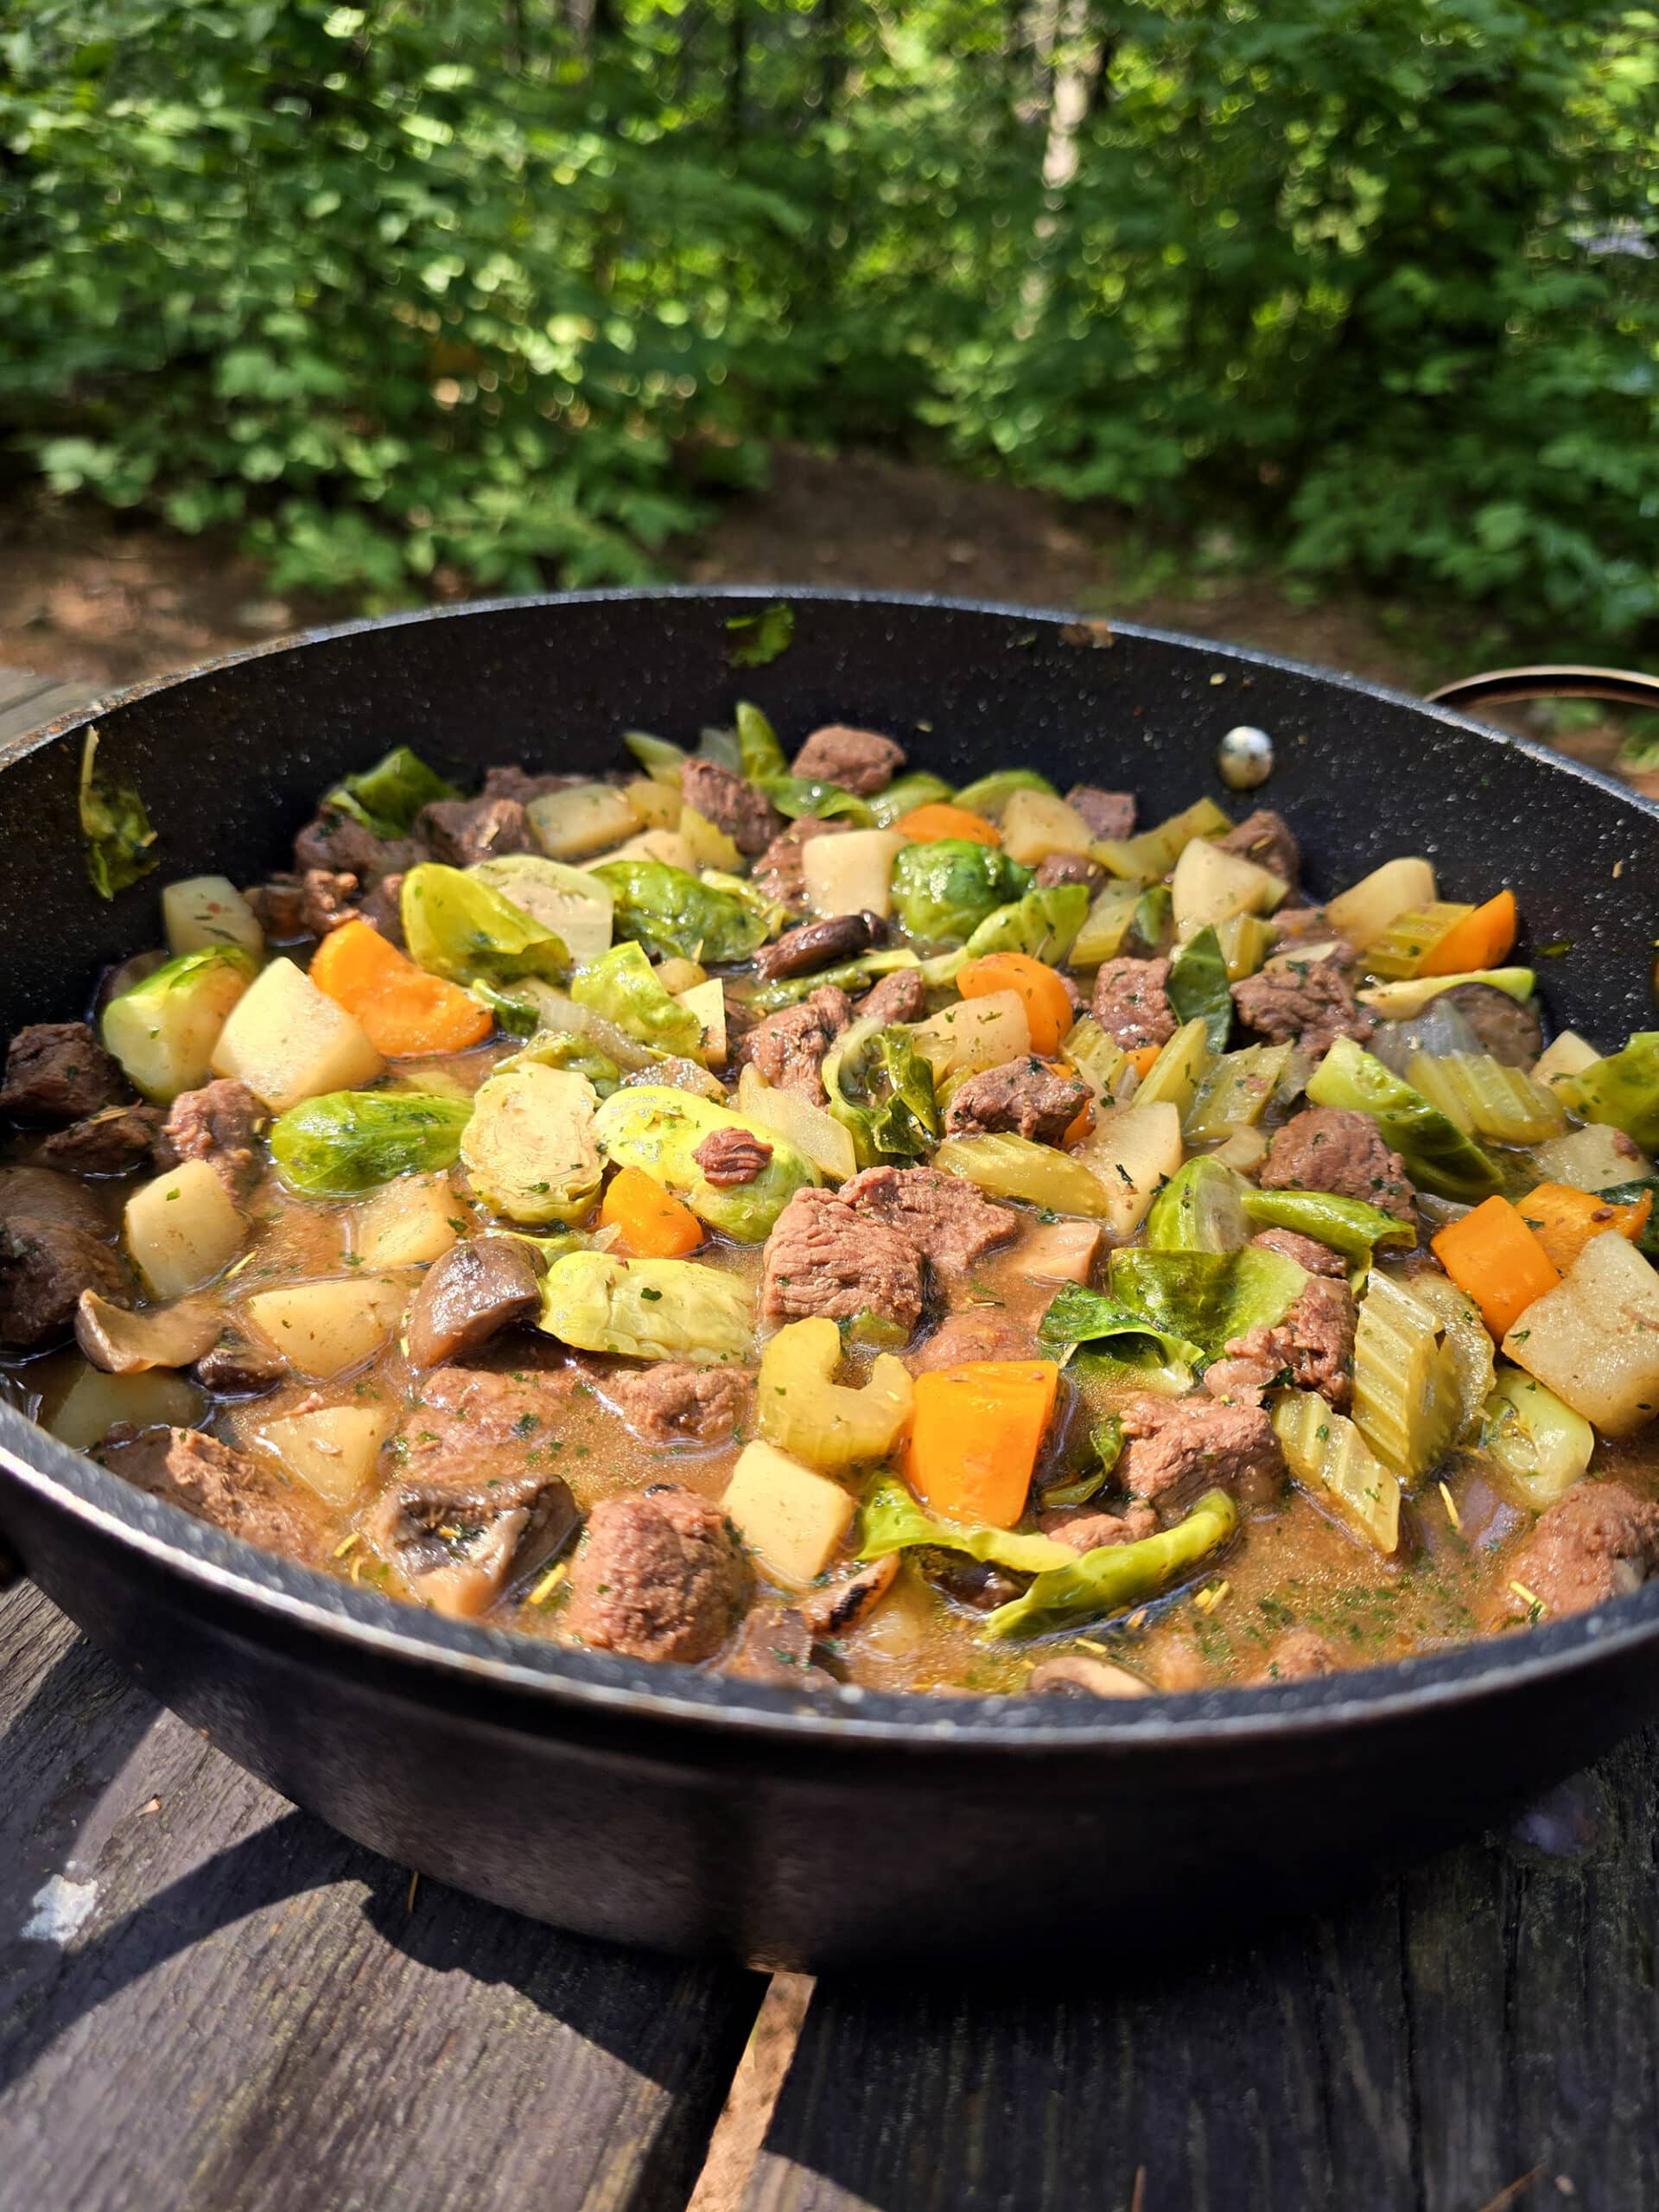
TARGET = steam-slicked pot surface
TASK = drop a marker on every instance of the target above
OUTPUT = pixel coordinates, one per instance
(667, 1806)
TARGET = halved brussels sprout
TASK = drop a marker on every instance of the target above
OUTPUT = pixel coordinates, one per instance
(460, 926)
(648, 1309)
(530, 1148)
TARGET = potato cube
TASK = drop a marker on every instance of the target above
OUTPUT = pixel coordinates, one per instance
(322, 1328)
(976, 1033)
(1130, 1153)
(287, 1042)
(1594, 1339)
(407, 1223)
(333, 1449)
(1036, 823)
(582, 819)
(1060, 1251)
(1362, 912)
(183, 1228)
(207, 909)
(708, 1001)
(791, 1518)
(1209, 886)
(852, 873)
(95, 1402)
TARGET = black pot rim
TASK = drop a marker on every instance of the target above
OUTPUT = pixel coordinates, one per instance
(350, 1618)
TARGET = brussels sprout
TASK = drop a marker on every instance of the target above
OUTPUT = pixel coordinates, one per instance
(1208, 1297)
(164, 1029)
(659, 1130)
(668, 911)
(530, 1150)
(1077, 1315)
(988, 795)
(351, 1140)
(1437, 1156)
(798, 795)
(947, 888)
(1044, 924)
(757, 744)
(559, 1048)
(459, 926)
(648, 1309)
(1198, 989)
(1541, 1445)
(624, 989)
(881, 1090)
(904, 797)
(1114, 1577)
(662, 762)
(1623, 1089)
(569, 901)
(1200, 1209)
(387, 798)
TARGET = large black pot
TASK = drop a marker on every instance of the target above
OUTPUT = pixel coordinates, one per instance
(671, 1808)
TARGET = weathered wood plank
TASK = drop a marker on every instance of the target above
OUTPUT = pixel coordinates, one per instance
(1489, 2016)
(251, 2013)
(29, 702)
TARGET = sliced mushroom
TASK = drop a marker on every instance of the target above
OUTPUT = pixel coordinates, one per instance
(1507, 1028)
(473, 1290)
(842, 1607)
(459, 1548)
(126, 1343)
(1073, 1671)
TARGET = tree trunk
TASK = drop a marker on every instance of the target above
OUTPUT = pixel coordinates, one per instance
(1073, 55)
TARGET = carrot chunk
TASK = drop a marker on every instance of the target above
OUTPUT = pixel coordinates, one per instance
(974, 1436)
(926, 824)
(1483, 939)
(1564, 1220)
(650, 1223)
(1493, 1256)
(404, 1012)
(1046, 1001)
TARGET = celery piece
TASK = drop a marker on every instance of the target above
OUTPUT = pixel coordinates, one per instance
(1399, 952)
(1326, 1453)
(1155, 851)
(1207, 1298)
(1106, 928)
(1470, 1341)
(1347, 1225)
(1503, 1104)
(1542, 1445)
(1014, 1167)
(1407, 1386)
(893, 1522)
(1098, 1058)
(1623, 1089)
(1437, 1156)
(1244, 941)
(1198, 989)
(1114, 1576)
(1199, 1210)
(801, 1408)
(1235, 1091)
(1174, 1076)
(904, 797)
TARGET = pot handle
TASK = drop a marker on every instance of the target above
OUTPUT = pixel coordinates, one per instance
(1501, 687)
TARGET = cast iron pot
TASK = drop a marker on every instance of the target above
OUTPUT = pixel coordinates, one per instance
(669, 1808)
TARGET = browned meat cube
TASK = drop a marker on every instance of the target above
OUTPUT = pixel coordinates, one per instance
(822, 1257)
(858, 759)
(58, 1071)
(658, 1576)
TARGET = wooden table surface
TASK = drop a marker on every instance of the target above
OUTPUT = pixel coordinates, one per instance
(209, 2002)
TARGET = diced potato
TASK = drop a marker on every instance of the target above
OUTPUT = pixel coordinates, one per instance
(183, 1228)
(656, 801)
(1036, 823)
(825, 1142)
(1060, 1251)
(1594, 1158)
(1210, 887)
(1365, 909)
(973, 1034)
(665, 845)
(791, 1518)
(322, 1328)
(164, 1030)
(569, 824)
(571, 901)
(406, 1224)
(708, 1001)
(1594, 1339)
(288, 1041)
(675, 975)
(1131, 1153)
(95, 1402)
(851, 873)
(710, 846)
(206, 910)
(1568, 1054)
(333, 1449)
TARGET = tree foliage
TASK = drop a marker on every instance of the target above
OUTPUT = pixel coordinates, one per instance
(472, 282)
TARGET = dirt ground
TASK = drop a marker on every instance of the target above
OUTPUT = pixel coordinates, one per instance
(89, 596)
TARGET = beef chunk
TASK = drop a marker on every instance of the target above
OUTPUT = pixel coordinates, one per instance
(824, 1257)
(41, 1194)
(511, 782)
(1132, 1002)
(460, 1546)
(110, 1143)
(776, 1647)
(58, 1071)
(469, 1294)
(902, 996)
(1309, 1001)
(839, 1607)
(244, 1496)
(462, 831)
(1300, 1656)
(977, 1332)
(507, 1396)
(308, 905)
(1334, 1149)
(1179, 1447)
(670, 1402)
(1315, 1342)
(1086, 1528)
(944, 1218)
(747, 816)
(1310, 925)
(1070, 867)
(857, 759)
(819, 944)
(1108, 814)
(658, 1576)
(1306, 1251)
(1265, 838)
(1027, 1097)
(383, 909)
(44, 1267)
(676, 1073)
(236, 1367)
(1504, 1028)
(787, 1049)
(779, 872)
(335, 843)
(729, 1158)
(219, 1124)
(1596, 1543)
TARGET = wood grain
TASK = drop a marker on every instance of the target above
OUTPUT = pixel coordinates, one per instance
(1486, 2020)
(252, 2015)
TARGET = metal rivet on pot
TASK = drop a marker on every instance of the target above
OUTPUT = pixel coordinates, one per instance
(1244, 758)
